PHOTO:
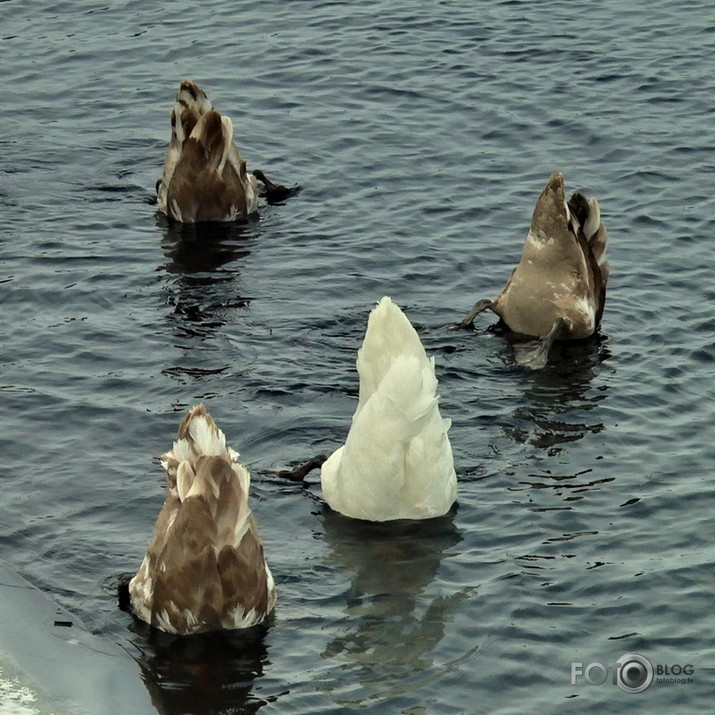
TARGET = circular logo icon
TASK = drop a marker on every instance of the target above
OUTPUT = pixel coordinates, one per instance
(634, 673)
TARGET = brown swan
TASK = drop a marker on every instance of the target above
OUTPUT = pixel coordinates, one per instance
(558, 290)
(204, 568)
(205, 176)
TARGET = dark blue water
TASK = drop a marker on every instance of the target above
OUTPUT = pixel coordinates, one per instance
(422, 134)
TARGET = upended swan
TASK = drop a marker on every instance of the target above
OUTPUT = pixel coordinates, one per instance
(204, 568)
(558, 290)
(205, 177)
(396, 462)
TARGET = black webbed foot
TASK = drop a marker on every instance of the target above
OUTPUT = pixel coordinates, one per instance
(299, 473)
(274, 192)
(468, 322)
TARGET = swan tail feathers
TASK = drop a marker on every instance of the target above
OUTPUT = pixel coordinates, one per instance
(214, 134)
(191, 96)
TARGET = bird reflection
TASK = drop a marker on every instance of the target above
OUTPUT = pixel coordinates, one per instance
(201, 281)
(560, 406)
(205, 673)
(560, 399)
(393, 624)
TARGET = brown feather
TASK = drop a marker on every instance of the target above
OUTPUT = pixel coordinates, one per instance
(559, 272)
(205, 177)
(204, 567)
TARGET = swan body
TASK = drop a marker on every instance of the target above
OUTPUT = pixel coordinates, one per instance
(204, 567)
(396, 462)
(558, 290)
(204, 177)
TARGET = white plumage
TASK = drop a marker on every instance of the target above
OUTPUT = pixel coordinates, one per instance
(397, 460)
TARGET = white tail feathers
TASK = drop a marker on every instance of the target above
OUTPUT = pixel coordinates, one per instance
(408, 391)
(209, 440)
(198, 436)
(389, 334)
(397, 460)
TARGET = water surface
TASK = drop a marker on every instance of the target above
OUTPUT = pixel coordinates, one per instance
(422, 135)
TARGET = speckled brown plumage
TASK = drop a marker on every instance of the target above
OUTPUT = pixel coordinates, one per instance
(204, 568)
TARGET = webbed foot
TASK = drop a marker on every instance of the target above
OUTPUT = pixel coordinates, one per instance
(536, 355)
(299, 473)
(468, 322)
(274, 192)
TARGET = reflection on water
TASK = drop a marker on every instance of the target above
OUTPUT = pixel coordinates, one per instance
(205, 673)
(202, 275)
(560, 400)
(567, 487)
(391, 624)
(560, 405)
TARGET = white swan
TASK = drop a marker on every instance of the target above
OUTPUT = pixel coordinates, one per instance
(397, 460)
(204, 567)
